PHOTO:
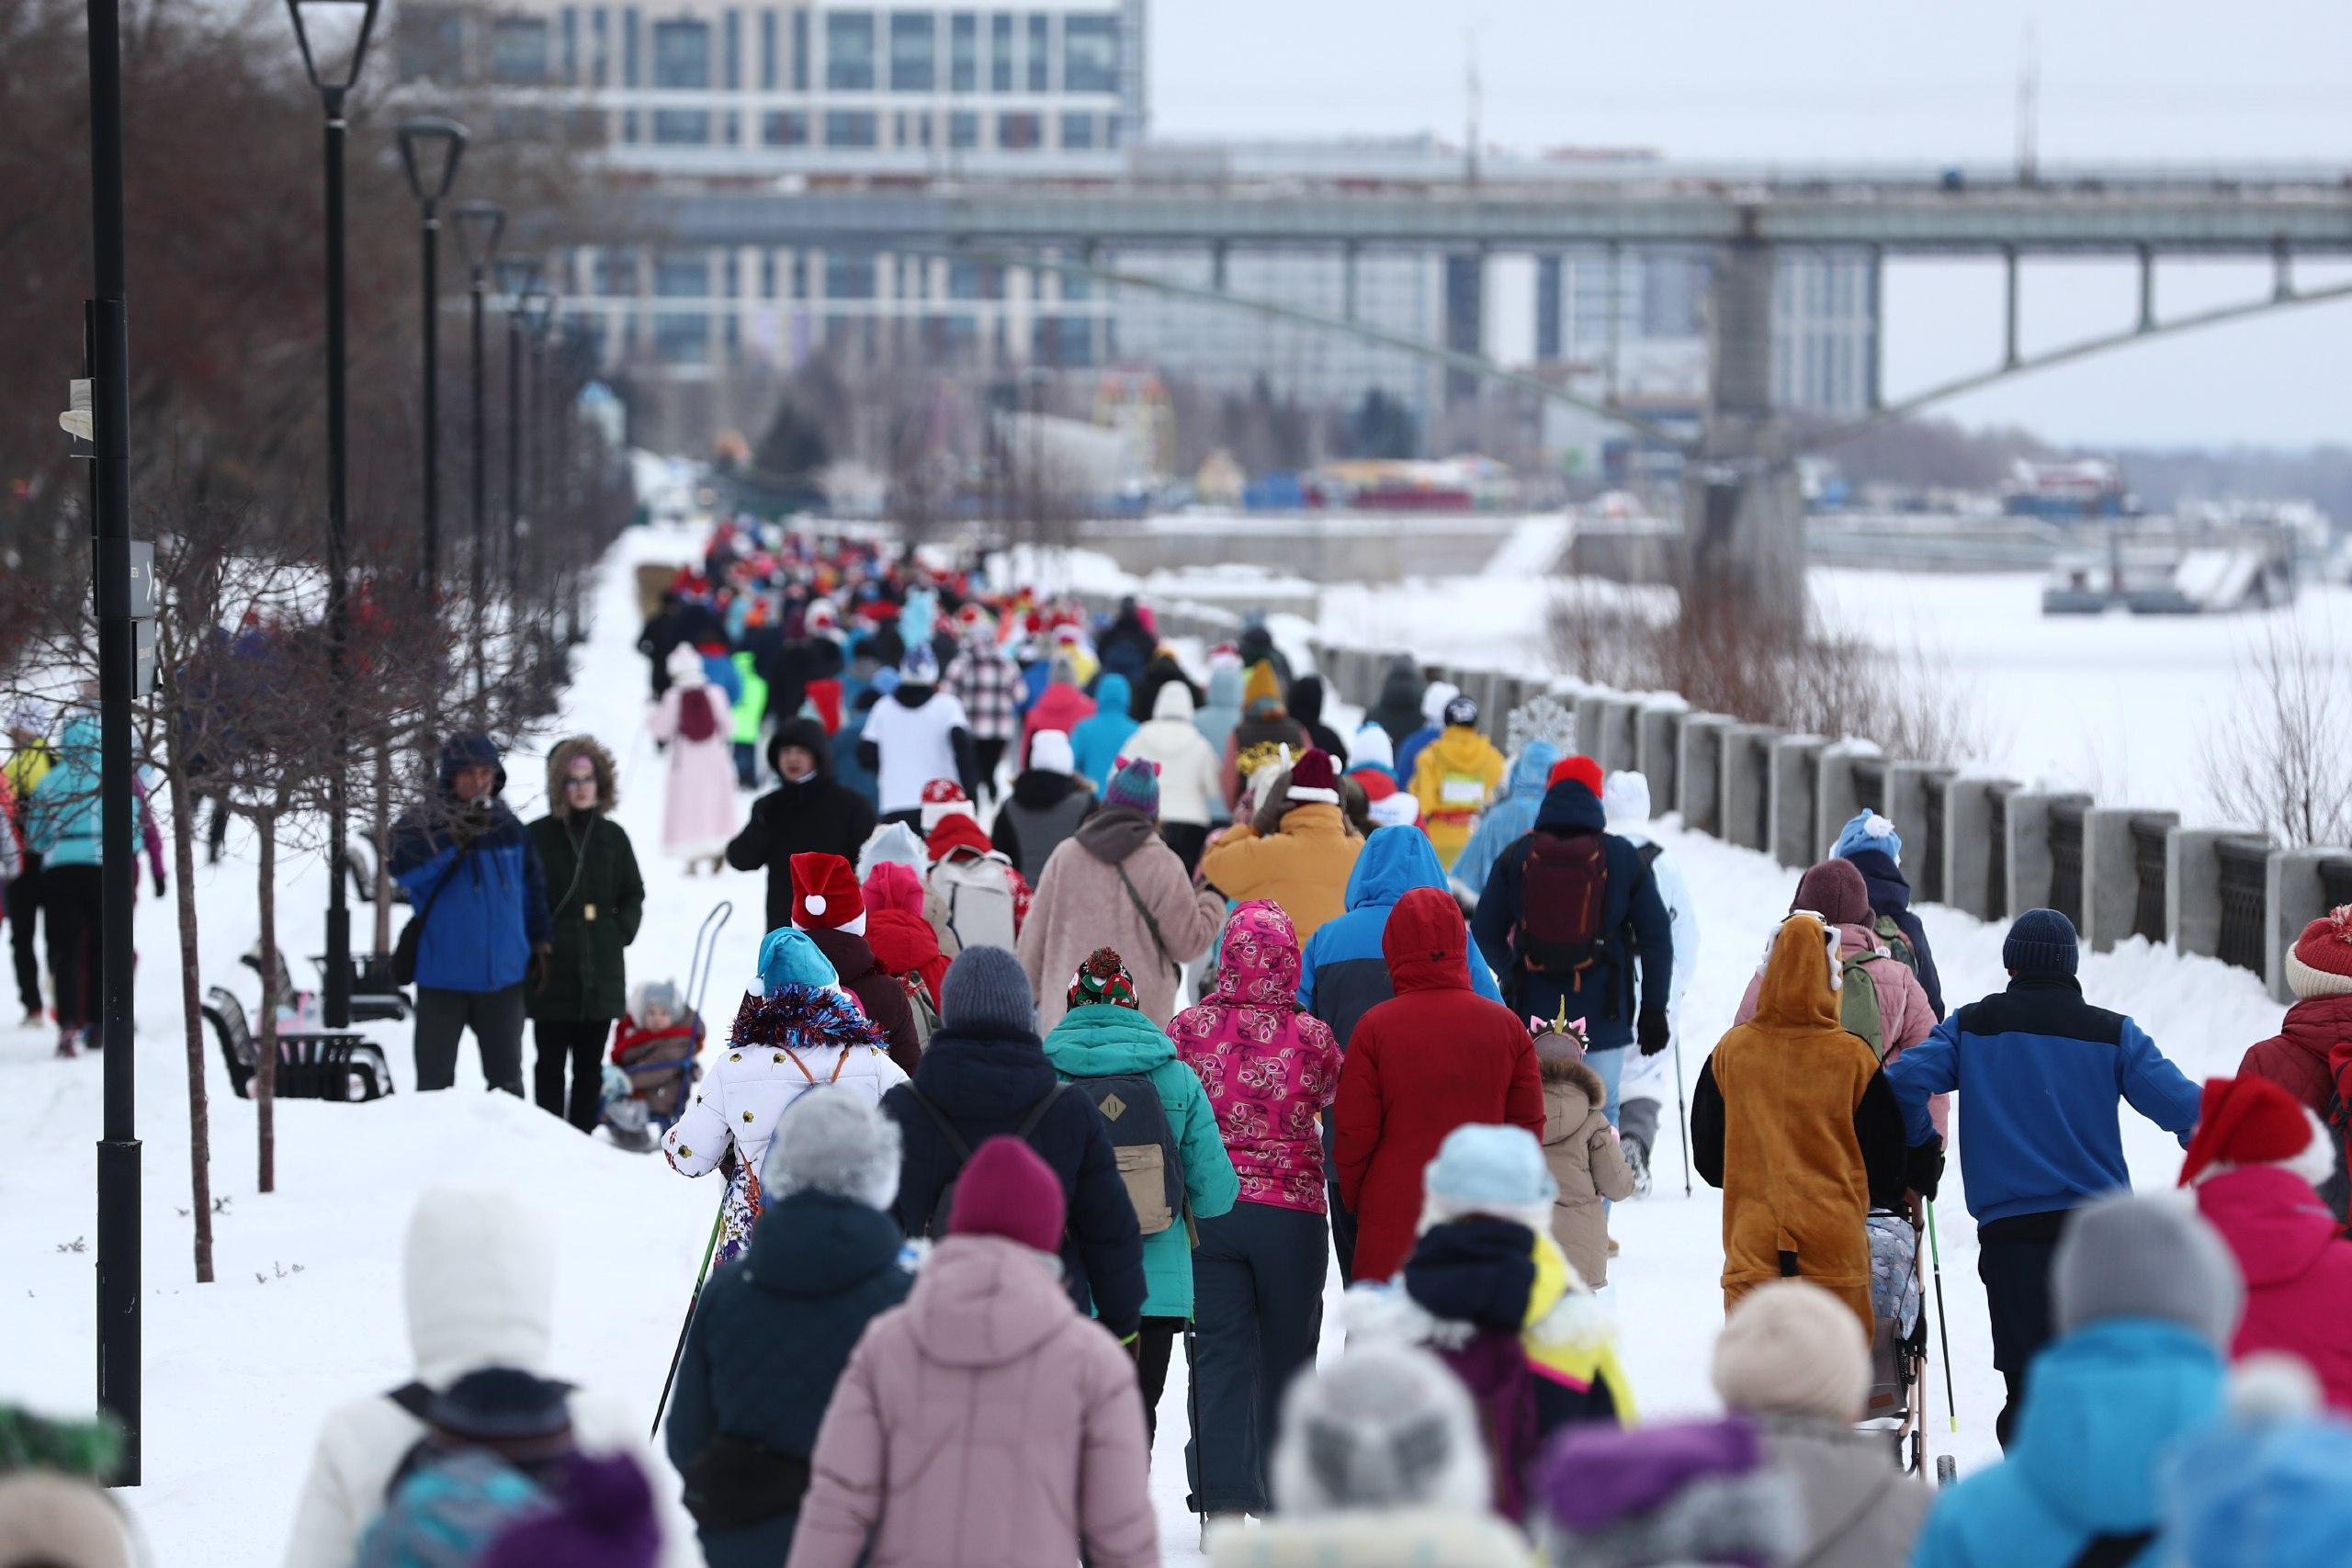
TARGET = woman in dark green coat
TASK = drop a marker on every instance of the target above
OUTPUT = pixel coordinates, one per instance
(596, 898)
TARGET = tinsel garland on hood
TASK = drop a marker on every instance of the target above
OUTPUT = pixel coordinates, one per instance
(803, 1015)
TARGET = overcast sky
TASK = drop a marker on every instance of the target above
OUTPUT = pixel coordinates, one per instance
(1927, 82)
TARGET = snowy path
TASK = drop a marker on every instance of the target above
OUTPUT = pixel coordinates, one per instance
(307, 1311)
(1533, 550)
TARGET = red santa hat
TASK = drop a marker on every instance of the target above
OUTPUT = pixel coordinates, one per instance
(825, 895)
(942, 799)
(1312, 779)
(2319, 964)
(2251, 1121)
(1584, 770)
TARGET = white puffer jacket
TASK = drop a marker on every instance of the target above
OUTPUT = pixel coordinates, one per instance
(1190, 787)
(781, 1047)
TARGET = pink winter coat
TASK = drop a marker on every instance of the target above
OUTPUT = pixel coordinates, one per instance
(698, 811)
(1269, 1064)
(2298, 1271)
(1903, 1006)
(984, 1424)
(1080, 905)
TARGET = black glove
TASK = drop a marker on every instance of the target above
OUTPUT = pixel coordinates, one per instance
(1652, 1032)
(159, 884)
(541, 956)
(1923, 1171)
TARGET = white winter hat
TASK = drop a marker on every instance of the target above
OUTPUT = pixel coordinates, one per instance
(1625, 800)
(1371, 747)
(1049, 752)
(1434, 699)
(894, 844)
(1791, 1347)
(833, 1140)
(1383, 1426)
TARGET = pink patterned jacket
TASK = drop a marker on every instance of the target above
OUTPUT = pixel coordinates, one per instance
(1268, 1066)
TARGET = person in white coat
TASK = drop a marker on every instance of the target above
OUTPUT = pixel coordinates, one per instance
(695, 722)
(1625, 799)
(1191, 792)
(478, 1272)
(797, 1029)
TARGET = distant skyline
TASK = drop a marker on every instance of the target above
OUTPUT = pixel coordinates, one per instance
(2181, 81)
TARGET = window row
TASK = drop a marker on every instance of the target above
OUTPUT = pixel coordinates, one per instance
(1023, 131)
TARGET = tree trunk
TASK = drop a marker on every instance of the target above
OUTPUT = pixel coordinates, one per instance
(381, 835)
(265, 1035)
(200, 1110)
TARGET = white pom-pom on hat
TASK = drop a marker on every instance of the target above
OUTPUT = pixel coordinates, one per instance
(816, 903)
(2273, 1386)
(1878, 826)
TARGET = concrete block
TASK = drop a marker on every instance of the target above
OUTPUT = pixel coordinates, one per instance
(1910, 786)
(1590, 720)
(1835, 800)
(2030, 865)
(1796, 760)
(2295, 899)
(1967, 848)
(2193, 887)
(1744, 797)
(1619, 734)
(1698, 772)
(2111, 874)
(1658, 750)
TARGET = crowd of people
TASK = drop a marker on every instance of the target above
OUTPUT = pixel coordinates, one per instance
(1102, 1013)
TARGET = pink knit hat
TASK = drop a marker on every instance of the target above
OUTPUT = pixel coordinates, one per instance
(1007, 1190)
(2321, 963)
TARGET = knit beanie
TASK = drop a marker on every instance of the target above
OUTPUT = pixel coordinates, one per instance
(49, 1517)
(1262, 694)
(1462, 711)
(602, 1518)
(2131, 1257)
(788, 958)
(1049, 752)
(1102, 979)
(1007, 1190)
(987, 992)
(1489, 1170)
(2319, 964)
(1136, 784)
(1696, 1492)
(834, 1140)
(1584, 770)
(1835, 891)
(825, 895)
(1868, 830)
(2251, 1121)
(1314, 779)
(1791, 1347)
(1382, 1426)
(2041, 941)
(919, 667)
(1371, 747)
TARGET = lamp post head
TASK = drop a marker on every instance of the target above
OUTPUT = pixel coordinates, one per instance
(537, 306)
(431, 147)
(333, 37)
(480, 224)
(517, 275)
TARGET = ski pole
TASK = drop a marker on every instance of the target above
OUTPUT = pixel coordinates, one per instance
(710, 1250)
(1681, 1113)
(1943, 1322)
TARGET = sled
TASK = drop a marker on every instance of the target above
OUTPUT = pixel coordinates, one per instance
(660, 1071)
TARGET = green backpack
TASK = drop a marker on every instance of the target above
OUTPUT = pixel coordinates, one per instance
(1890, 937)
(1858, 1008)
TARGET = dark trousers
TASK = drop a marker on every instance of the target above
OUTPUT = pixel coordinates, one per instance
(990, 755)
(1154, 1342)
(24, 923)
(2013, 1259)
(747, 764)
(1187, 839)
(496, 1018)
(580, 1043)
(1342, 1222)
(1258, 1300)
(71, 902)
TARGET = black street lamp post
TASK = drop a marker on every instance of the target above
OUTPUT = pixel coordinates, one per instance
(333, 35)
(480, 225)
(431, 148)
(519, 276)
(538, 321)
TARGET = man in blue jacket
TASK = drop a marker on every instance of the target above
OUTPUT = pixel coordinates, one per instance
(474, 882)
(2042, 1072)
(1633, 935)
(1343, 975)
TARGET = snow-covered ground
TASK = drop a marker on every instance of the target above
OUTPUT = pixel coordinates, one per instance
(308, 1313)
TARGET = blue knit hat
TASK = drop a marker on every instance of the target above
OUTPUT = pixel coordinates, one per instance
(1490, 1170)
(919, 667)
(1136, 784)
(1869, 830)
(2042, 942)
(788, 958)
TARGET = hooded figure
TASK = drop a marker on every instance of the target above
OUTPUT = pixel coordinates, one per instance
(903, 942)
(1792, 1118)
(1453, 777)
(596, 898)
(809, 814)
(1435, 1056)
(1307, 694)
(1222, 709)
(1894, 1015)
(771, 1335)
(1266, 734)
(1050, 799)
(1062, 706)
(1643, 1088)
(1509, 817)
(62, 824)
(1098, 742)
(1399, 709)
(1188, 788)
(1870, 841)
(697, 723)
(1305, 864)
(1587, 1160)
(1164, 669)
(1435, 698)
(1371, 763)
(478, 1280)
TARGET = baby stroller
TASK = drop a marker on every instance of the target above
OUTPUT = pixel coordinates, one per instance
(655, 1048)
(1899, 1342)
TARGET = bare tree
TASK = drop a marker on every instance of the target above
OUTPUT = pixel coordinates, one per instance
(2280, 759)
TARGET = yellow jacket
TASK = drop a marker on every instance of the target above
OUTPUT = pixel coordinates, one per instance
(1304, 868)
(1454, 778)
(1565, 1340)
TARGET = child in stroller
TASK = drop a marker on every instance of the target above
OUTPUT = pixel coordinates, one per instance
(652, 1066)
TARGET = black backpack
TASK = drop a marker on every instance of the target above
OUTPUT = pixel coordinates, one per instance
(1563, 887)
(1145, 1145)
(935, 1228)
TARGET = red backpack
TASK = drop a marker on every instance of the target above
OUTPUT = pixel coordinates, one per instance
(1563, 884)
(698, 720)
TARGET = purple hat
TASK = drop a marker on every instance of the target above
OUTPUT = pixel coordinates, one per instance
(602, 1518)
(1136, 784)
(1698, 1491)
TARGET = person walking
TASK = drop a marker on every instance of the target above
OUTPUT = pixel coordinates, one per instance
(597, 900)
(1305, 699)
(1106, 1047)
(2319, 972)
(32, 758)
(1891, 1012)
(1303, 863)
(984, 1420)
(829, 908)
(1573, 923)
(478, 900)
(2044, 1073)
(985, 1073)
(1435, 697)
(903, 942)
(770, 1337)
(1050, 799)
(1221, 710)
(1098, 742)
(1397, 710)
(1642, 1090)
(694, 722)
(1870, 841)
(1270, 1070)
(1189, 792)
(1435, 1056)
(1266, 734)
(1508, 818)
(985, 680)
(1587, 1159)
(62, 826)
(917, 734)
(1115, 884)
(1453, 777)
(1062, 706)
(806, 813)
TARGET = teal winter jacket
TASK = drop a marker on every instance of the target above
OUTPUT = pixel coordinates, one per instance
(62, 820)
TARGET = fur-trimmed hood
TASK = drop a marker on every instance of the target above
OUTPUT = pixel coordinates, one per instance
(559, 760)
(1574, 1073)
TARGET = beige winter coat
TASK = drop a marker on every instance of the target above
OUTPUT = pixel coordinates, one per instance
(1859, 1510)
(1082, 904)
(1582, 1150)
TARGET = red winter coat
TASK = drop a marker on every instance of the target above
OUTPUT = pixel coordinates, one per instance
(902, 939)
(1435, 1056)
(2298, 1271)
(1060, 707)
(2295, 1058)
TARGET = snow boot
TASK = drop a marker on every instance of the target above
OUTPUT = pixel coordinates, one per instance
(68, 1045)
(1637, 1160)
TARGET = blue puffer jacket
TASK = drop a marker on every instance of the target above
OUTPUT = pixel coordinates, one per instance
(63, 818)
(1636, 931)
(1509, 818)
(479, 934)
(2040, 1071)
(2103, 1408)
(1094, 742)
(1342, 974)
(770, 1339)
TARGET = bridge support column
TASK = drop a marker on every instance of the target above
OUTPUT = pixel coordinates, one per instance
(1743, 508)
(1465, 319)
